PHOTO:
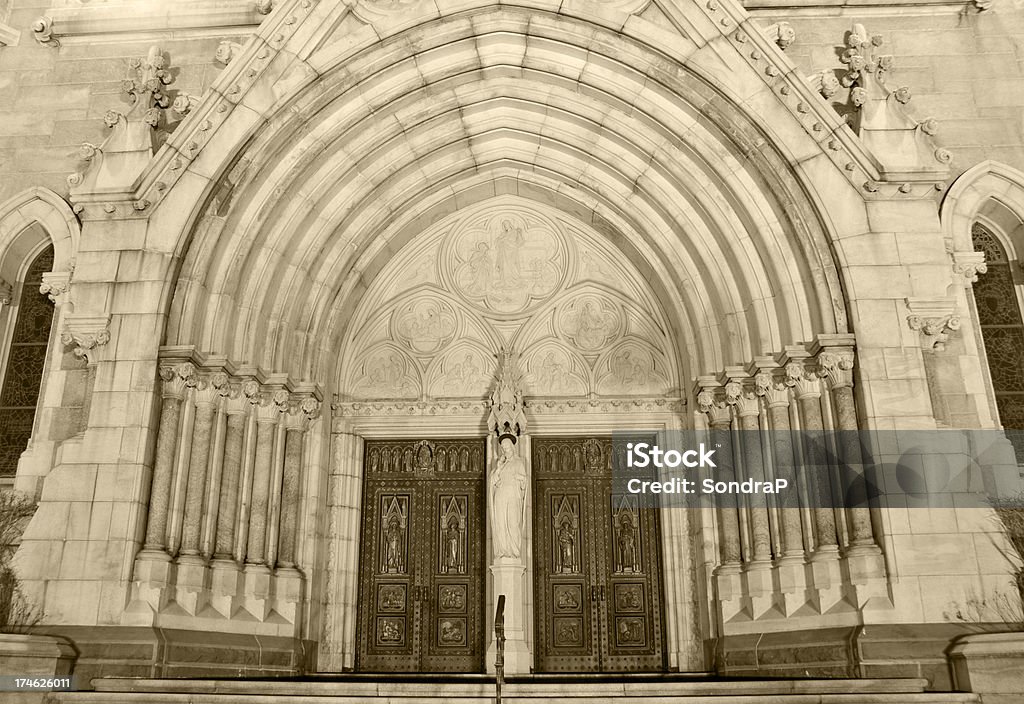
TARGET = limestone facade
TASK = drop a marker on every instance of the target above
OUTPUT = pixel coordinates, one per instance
(286, 232)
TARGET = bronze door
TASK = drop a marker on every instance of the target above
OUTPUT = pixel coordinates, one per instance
(597, 574)
(422, 557)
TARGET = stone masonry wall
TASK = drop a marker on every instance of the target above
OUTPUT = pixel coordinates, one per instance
(963, 67)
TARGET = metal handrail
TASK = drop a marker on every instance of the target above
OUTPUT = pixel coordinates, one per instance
(499, 656)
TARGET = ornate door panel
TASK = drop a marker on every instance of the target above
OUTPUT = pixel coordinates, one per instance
(596, 564)
(422, 557)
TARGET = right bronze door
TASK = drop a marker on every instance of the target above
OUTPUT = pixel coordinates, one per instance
(597, 576)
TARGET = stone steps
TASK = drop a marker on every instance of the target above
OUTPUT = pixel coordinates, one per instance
(477, 690)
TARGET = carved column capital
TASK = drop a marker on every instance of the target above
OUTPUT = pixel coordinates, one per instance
(967, 266)
(176, 379)
(745, 401)
(718, 412)
(802, 382)
(775, 393)
(88, 333)
(301, 412)
(56, 286)
(837, 367)
(6, 293)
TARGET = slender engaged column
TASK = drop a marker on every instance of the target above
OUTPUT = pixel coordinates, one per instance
(808, 394)
(838, 369)
(719, 417)
(297, 421)
(268, 413)
(198, 466)
(175, 380)
(227, 510)
(748, 408)
(776, 395)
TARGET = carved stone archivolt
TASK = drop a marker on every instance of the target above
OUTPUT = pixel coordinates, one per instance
(507, 272)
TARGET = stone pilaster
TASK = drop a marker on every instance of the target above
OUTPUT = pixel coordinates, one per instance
(296, 422)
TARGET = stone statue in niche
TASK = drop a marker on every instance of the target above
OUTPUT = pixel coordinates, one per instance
(508, 499)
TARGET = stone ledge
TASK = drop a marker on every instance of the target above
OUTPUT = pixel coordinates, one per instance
(45, 656)
(990, 664)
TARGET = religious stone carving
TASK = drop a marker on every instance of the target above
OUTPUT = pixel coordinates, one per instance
(631, 368)
(591, 323)
(385, 373)
(551, 372)
(509, 475)
(462, 373)
(503, 265)
(425, 325)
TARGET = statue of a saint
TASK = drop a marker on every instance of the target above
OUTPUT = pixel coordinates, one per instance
(508, 499)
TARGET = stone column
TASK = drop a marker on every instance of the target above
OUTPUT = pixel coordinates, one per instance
(198, 467)
(748, 410)
(808, 394)
(231, 472)
(297, 419)
(175, 381)
(719, 419)
(776, 395)
(268, 413)
(837, 367)
(226, 582)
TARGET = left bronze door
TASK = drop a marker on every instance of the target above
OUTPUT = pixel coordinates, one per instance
(422, 557)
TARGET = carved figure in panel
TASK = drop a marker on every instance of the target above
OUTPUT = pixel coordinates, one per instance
(504, 264)
(630, 631)
(391, 597)
(453, 598)
(550, 372)
(452, 535)
(568, 632)
(425, 325)
(629, 597)
(631, 369)
(508, 499)
(452, 631)
(385, 374)
(394, 534)
(590, 323)
(566, 519)
(567, 598)
(390, 631)
(463, 374)
(625, 521)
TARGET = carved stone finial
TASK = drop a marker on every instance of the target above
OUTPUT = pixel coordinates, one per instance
(113, 165)
(507, 416)
(878, 113)
(782, 33)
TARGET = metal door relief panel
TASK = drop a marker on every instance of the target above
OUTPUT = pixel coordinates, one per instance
(422, 552)
(598, 578)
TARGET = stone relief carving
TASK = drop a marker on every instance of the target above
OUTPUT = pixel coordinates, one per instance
(425, 325)
(591, 323)
(506, 271)
(782, 33)
(504, 265)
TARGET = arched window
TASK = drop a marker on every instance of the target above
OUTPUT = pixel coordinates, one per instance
(1002, 330)
(25, 359)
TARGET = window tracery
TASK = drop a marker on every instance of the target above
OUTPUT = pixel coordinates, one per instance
(1002, 330)
(25, 360)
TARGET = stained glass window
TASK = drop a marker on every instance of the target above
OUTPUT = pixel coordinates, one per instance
(1002, 329)
(25, 361)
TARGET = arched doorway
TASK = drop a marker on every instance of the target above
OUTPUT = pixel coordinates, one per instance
(590, 335)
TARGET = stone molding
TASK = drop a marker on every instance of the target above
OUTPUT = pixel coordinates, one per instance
(6, 293)
(74, 22)
(9, 36)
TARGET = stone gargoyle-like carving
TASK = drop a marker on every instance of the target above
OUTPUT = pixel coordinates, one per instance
(877, 113)
(114, 164)
(782, 33)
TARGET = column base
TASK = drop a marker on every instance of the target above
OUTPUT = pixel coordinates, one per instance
(507, 576)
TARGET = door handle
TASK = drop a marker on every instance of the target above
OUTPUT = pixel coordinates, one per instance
(601, 592)
(593, 592)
